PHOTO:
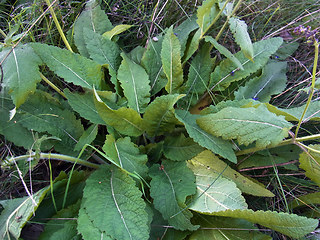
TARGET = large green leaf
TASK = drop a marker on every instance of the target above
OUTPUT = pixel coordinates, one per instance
(214, 193)
(291, 225)
(198, 77)
(151, 61)
(20, 72)
(213, 163)
(241, 36)
(310, 162)
(226, 72)
(247, 125)
(159, 115)
(92, 18)
(171, 61)
(72, 67)
(215, 144)
(171, 184)
(44, 113)
(114, 205)
(17, 212)
(125, 120)
(294, 114)
(103, 51)
(126, 154)
(272, 81)
(84, 104)
(135, 83)
(222, 228)
(207, 14)
(180, 148)
(87, 137)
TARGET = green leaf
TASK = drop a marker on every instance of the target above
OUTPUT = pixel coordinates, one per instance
(272, 81)
(244, 103)
(198, 77)
(222, 228)
(291, 225)
(310, 162)
(72, 67)
(193, 46)
(171, 61)
(171, 184)
(226, 73)
(224, 51)
(247, 125)
(125, 120)
(20, 72)
(87, 229)
(215, 144)
(159, 116)
(114, 205)
(103, 51)
(135, 83)
(61, 228)
(92, 18)
(116, 31)
(84, 104)
(126, 154)
(294, 114)
(87, 137)
(305, 200)
(212, 162)
(214, 193)
(151, 61)
(241, 36)
(17, 213)
(207, 14)
(180, 148)
(44, 113)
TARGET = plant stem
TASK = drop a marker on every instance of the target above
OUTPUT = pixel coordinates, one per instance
(53, 86)
(314, 71)
(52, 156)
(64, 39)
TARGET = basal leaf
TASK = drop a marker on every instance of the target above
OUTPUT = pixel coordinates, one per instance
(87, 229)
(247, 125)
(114, 205)
(159, 115)
(198, 77)
(224, 51)
(72, 67)
(241, 36)
(20, 72)
(126, 154)
(44, 113)
(116, 31)
(272, 81)
(103, 51)
(215, 144)
(84, 104)
(193, 46)
(221, 228)
(214, 193)
(310, 162)
(151, 61)
(180, 148)
(92, 18)
(87, 137)
(210, 161)
(244, 103)
(124, 120)
(171, 184)
(206, 15)
(294, 114)
(135, 83)
(291, 225)
(226, 72)
(171, 61)
(305, 200)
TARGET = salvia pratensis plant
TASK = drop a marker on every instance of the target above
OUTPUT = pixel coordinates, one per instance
(162, 131)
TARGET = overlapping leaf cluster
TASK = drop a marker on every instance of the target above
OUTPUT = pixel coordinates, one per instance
(164, 165)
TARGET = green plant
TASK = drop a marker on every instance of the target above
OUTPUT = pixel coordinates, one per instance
(167, 165)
